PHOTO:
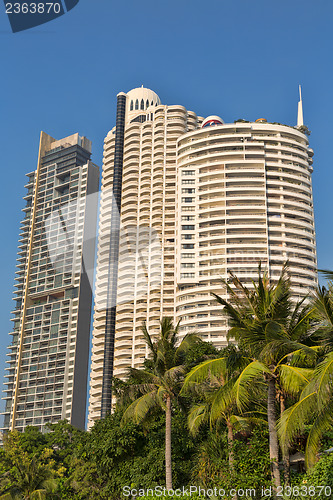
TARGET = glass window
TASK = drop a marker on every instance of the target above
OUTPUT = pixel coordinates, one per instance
(142, 104)
(131, 107)
(55, 316)
(147, 104)
(137, 104)
(187, 275)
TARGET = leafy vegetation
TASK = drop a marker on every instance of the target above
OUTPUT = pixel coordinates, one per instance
(196, 415)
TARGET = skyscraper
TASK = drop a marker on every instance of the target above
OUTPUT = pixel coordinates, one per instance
(48, 357)
(184, 202)
(244, 197)
(139, 182)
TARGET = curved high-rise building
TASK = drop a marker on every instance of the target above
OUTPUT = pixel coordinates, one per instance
(244, 195)
(184, 202)
(137, 215)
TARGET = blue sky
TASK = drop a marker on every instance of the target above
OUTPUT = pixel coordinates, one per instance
(234, 58)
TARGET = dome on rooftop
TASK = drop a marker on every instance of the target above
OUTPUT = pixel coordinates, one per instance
(141, 99)
(212, 120)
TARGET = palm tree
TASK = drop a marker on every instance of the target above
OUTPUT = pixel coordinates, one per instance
(316, 400)
(265, 323)
(275, 331)
(159, 385)
(29, 478)
(215, 384)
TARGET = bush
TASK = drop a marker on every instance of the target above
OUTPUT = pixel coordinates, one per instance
(320, 475)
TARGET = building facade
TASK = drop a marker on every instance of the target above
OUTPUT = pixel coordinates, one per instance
(184, 202)
(47, 363)
(144, 286)
(244, 196)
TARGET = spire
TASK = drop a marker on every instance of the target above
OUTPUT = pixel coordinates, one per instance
(300, 121)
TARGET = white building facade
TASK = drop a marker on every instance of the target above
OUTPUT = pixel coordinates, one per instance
(244, 196)
(146, 263)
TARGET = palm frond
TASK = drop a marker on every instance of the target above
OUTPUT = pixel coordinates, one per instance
(327, 274)
(222, 400)
(188, 341)
(301, 321)
(148, 340)
(198, 415)
(252, 371)
(243, 423)
(174, 375)
(294, 419)
(324, 378)
(300, 357)
(293, 379)
(211, 367)
(161, 394)
(138, 410)
(323, 422)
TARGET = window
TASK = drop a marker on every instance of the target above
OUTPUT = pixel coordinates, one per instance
(188, 190)
(187, 200)
(188, 246)
(187, 275)
(147, 104)
(187, 217)
(187, 236)
(187, 255)
(57, 280)
(188, 227)
(142, 104)
(188, 172)
(132, 106)
(55, 316)
(137, 104)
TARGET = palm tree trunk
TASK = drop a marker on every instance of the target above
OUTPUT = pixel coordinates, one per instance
(273, 439)
(231, 450)
(230, 444)
(168, 466)
(285, 456)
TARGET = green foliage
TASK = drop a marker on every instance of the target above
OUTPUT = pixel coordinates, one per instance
(251, 467)
(252, 460)
(28, 475)
(276, 339)
(116, 455)
(315, 405)
(198, 352)
(304, 129)
(320, 475)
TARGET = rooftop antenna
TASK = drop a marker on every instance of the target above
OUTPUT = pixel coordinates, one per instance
(300, 121)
